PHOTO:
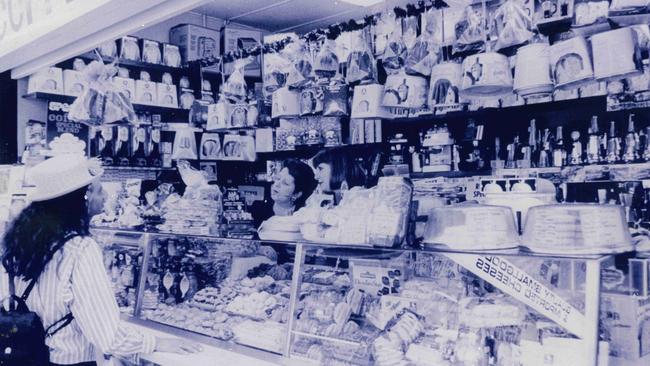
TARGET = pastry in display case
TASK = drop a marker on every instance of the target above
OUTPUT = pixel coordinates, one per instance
(123, 259)
(228, 289)
(404, 307)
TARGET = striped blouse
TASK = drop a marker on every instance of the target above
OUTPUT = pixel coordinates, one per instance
(75, 281)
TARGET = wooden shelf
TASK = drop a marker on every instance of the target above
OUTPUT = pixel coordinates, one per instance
(595, 104)
(137, 107)
(452, 174)
(130, 63)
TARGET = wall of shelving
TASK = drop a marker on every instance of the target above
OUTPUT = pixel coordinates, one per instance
(36, 109)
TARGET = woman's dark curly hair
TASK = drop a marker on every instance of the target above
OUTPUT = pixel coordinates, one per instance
(40, 230)
(303, 179)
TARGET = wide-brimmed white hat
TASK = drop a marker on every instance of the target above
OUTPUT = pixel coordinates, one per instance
(61, 175)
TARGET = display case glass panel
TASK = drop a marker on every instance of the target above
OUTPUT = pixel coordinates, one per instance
(367, 306)
(230, 289)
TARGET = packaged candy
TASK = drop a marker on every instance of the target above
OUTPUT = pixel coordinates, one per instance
(301, 67)
(470, 31)
(108, 49)
(590, 12)
(210, 146)
(184, 145)
(275, 75)
(327, 63)
(386, 26)
(101, 102)
(422, 56)
(311, 100)
(235, 87)
(361, 63)
(513, 24)
(335, 98)
(395, 54)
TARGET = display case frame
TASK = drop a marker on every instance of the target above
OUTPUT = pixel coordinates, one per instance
(589, 321)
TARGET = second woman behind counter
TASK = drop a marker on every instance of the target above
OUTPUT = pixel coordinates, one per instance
(291, 188)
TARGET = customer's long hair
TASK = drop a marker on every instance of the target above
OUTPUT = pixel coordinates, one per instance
(40, 230)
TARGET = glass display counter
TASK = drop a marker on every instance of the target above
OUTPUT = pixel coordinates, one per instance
(333, 304)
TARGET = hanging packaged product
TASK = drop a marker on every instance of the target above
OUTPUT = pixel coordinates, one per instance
(533, 71)
(312, 131)
(335, 98)
(361, 63)
(405, 91)
(625, 62)
(167, 93)
(486, 74)
(470, 30)
(235, 87)
(101, 102)
(47, 80)
(275, 75)
(210, 146)
(301, 68)
(444, 88)
(311, 100)
(440, 24)
(286, 103)
(422, 56)
(206, 91)
(184, 145)
(395, 53)
(385, 26)
(571, 63)
(327, 63)
(74, 81)
(238, 147)
(513, 24)
(367, 102)
(238, 115)
(146, 91)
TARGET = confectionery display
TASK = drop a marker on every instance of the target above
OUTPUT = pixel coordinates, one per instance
(479, 194)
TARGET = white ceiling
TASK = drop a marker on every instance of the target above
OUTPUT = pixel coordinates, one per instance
(292, 15)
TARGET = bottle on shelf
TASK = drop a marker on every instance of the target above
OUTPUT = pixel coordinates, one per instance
(106, 145)
(631, 142)
(511, 162)
(646, 146)
(530, 151)
(559, 151)
(154, 151)
(576, 149)
(497, 163)
(122, 155)
(545, 153)
(139, 157)
(593, 142)
(613, 145)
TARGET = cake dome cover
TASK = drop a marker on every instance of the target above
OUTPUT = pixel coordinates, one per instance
(471, 227)
(577, 229)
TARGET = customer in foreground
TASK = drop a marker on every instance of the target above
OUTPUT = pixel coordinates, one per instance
(49, 254)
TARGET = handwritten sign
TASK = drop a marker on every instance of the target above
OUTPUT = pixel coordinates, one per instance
(514, 281)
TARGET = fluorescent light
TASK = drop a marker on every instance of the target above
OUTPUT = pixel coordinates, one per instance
(363, 2)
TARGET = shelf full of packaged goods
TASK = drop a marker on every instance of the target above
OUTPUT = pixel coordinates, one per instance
(451, 174)
(152, 109)
(131, 63)
(310, 150)
(595, 104)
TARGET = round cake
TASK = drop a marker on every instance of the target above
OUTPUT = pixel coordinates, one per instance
(471, 228)
(577, 229)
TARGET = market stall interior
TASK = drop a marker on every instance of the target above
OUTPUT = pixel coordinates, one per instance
(480, 192)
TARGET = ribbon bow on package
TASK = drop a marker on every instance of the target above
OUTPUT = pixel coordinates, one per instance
(101, 102)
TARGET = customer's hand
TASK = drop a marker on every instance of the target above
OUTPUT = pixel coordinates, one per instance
(177, 345)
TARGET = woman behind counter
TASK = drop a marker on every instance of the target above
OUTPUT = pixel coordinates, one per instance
(291, 188)
(336, 171)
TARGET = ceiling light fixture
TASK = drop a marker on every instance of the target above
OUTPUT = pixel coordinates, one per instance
(363, 2)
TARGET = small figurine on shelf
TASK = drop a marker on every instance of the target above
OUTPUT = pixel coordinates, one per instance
(545, 152)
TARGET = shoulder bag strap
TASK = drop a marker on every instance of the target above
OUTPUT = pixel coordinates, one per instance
(67, 319)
